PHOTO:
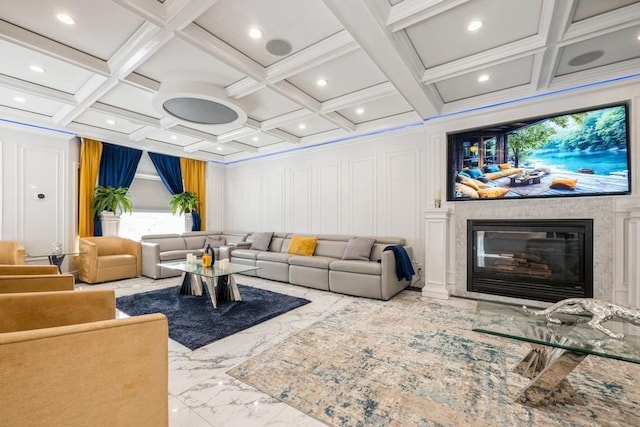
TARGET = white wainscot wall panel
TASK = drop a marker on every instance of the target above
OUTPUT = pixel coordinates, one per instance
(40, 220)
(361, 196)
(328, 201)
(253, 201)
(401, 185)
(300, 200)
(274, 191)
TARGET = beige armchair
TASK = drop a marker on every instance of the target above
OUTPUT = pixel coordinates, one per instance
(11, 252)
(33, 278)
(66, 361)
(107, 258)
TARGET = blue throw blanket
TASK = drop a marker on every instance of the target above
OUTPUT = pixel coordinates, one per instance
(404, 269)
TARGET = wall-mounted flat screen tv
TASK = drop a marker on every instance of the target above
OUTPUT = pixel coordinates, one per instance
(580, 153)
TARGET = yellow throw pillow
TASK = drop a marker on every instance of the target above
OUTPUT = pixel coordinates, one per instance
(504, 166)
(561, 183)
(302, 245)
(466, 191)
(470, 183)
(492, 193)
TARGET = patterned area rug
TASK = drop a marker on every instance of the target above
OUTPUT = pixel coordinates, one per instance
(193, 321)
(415, 363)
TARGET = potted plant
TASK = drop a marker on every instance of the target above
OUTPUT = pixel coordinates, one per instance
(110, 203)
(184, 203)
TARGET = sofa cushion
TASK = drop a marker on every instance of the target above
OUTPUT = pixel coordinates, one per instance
(274, 256)
(245, 253)
(302, 245)
(331, 246)
(107, 261)
(194, 242)
(261, 241)
(169, 243)
(358, 248)
(311, 261)
(362, 267)
(562, 183)
(215, 241)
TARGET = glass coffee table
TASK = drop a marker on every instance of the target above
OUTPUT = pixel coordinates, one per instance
(556, 349)
(220, 283)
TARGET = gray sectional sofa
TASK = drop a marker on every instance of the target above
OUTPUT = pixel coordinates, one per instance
(326, 269)
(368, 271)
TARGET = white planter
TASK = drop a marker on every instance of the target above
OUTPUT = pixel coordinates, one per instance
(110, 223)
(188, 221)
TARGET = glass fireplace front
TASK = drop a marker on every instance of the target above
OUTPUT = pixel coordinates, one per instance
(545, 260)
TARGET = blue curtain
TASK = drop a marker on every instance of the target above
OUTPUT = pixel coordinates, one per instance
(196, 221)
(168, 168)
(117, 168)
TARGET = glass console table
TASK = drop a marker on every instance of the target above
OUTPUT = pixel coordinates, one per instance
(220, 283)
(556, 349)
(55, 258)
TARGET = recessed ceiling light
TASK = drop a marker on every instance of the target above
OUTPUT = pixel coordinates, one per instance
(36, 69)
(255, 33)
(219, 148)
(360, 111)
(474, 25)
(65, 19)
(321, 82)
(302, 126)
(173, 137)
(19, 99)
(255, 139)
(483, 78)
(639, 37)
(111, 122)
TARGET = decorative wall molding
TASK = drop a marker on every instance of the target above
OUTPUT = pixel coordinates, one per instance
(436, 250)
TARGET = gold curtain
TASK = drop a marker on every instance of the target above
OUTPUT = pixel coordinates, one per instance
(90, 153)
(193, 175)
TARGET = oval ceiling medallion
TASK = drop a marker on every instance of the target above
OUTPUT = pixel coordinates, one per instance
(586, 58)
(198, 103)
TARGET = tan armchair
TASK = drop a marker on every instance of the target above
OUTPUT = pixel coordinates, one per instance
(33, 278)
(11, 252)
(107, 258)
(66, 361)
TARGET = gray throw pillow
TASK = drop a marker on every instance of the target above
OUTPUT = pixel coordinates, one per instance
(261, 241)
(215, 241)
(358, 248)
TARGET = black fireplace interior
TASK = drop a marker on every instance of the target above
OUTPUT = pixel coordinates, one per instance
(543, 260)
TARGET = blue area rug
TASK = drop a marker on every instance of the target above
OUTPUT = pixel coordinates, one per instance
(193, 321)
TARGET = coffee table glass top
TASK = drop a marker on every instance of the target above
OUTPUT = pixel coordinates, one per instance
(573, 334)
(216, 271)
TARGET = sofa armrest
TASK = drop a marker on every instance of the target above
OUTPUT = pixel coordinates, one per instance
(27, 269)
(133, 247)
(36, 310)
(150, 259)
(241, 245)
(36, 283)
(390, 285)
(88, 261)
(116, 372)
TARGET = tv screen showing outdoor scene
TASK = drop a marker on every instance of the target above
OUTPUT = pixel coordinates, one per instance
(582, 153)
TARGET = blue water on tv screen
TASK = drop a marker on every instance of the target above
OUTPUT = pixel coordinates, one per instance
(582, 153)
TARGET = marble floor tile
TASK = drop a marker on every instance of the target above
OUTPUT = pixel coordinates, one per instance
(201, 394)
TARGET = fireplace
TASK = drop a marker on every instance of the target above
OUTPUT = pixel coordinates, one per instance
(543, 260)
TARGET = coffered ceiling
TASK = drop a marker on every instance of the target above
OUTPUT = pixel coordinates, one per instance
(385, 64)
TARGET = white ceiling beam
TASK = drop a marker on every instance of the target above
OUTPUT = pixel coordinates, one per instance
(37, 90)
(556, 18)
(142, 133)
(240, 146)
(385, 50)
(203, 40)
(53, 49)
(125, 114)
(285, 119)
(605, 23)
(198, 146)
(353, 99)
(194, 133)
(410, 12)
(285, 136)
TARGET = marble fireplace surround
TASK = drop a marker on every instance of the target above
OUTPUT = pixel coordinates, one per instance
(616, 242)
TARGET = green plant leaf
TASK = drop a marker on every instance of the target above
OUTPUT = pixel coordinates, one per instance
(111, 199)
(184, 202)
